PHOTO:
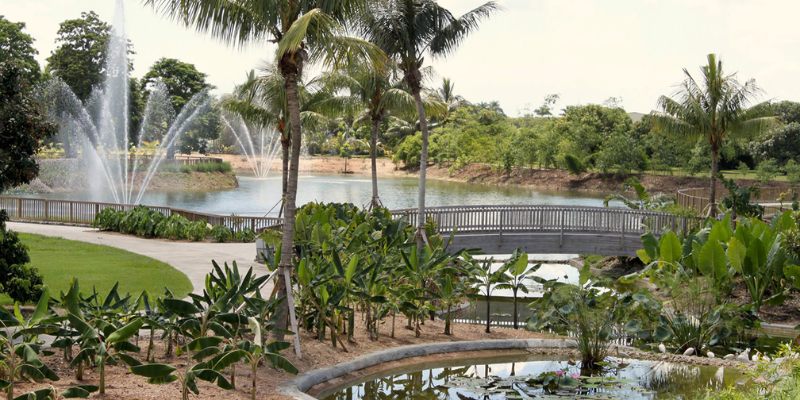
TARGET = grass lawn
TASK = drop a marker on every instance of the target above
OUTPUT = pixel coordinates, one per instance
(59, 260)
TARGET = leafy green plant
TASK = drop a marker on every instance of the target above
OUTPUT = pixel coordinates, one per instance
(221, 233)
(574, 165)
(174, 227)
(108, 219)
(20, 281)
(197, 230)
(515, 272)
(738, 199)
(487, 278)
(101, 342)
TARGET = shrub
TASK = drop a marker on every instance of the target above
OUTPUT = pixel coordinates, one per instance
(21, 282)
(792, 169)
(196, 231)
(207, 167)
(246, 235)
(767, 170)
(174, 227)
(221, 233)
(108, 220)
(141, 221)
(574, 164)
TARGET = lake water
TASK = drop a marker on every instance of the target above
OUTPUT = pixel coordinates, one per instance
(256, 197)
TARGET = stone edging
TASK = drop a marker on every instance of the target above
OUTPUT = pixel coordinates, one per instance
(297, 387)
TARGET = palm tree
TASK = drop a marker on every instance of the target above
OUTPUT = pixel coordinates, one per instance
(305, 31)
(714, 108)
(406, 30)
(373, 93)
(446, 93)
(261, 100)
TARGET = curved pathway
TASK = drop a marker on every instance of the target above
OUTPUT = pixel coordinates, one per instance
(191, 258)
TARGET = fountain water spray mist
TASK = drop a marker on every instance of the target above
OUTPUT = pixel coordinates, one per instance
(259, 144)
(100, 126)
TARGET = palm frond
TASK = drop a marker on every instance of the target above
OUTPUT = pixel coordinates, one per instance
(447, 39)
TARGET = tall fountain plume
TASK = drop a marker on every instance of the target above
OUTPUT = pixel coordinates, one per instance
(98, 130)
(259, 144)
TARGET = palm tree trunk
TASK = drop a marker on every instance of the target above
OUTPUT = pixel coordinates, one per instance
(287, 244)
(712, 197)
(373, 155)
(423, 169)
(286, 142)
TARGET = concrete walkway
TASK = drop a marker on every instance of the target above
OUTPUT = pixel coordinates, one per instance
(191, 258)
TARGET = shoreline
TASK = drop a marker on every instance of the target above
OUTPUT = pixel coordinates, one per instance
(529, 178)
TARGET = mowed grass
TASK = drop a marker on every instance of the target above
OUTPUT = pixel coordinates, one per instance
(59, 260)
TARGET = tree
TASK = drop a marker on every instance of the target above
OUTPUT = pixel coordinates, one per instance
(23, 126)
(546, 109)
(447, 95)
(373, 94)
(80, 56)
(406, 30)
(304, 31)
(181, 79)
(16, 47)
(714, 109)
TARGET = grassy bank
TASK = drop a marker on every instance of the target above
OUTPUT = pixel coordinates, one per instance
(59, 260)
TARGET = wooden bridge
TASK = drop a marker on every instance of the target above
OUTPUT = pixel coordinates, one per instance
(549, 229)
(493, 229)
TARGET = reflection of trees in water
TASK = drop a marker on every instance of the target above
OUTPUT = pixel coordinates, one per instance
(638, 380)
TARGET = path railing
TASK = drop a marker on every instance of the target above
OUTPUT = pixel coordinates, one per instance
(698, 198)
(84, 212)
(511, 219)
(461, 219)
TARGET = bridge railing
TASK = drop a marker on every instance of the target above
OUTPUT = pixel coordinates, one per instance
(510, 219)
(84, 213)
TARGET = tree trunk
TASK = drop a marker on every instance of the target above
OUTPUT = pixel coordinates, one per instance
(712, 197)
(423, 169)
(285, 144)
(488, 312)
(289, 207)
(373, 155)
(515, 310)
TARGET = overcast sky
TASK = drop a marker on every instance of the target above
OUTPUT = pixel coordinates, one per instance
(584, 50)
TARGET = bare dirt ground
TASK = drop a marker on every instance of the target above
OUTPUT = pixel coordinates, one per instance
(121, 384)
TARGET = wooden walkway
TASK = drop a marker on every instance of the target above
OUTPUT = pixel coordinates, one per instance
(493, 229)
(549, 229)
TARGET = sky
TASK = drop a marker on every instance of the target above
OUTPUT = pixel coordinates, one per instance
(584, 50)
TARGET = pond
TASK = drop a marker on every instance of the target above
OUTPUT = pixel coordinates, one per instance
(538, 376)
(259, 196)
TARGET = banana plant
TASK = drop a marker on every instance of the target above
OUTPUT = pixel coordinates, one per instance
(255, 352)
(20, 361)
(205, 361)
(486, 279)
(101, 342)
(515, 272)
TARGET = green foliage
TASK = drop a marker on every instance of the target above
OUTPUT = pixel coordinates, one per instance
(79, 58)
(767, 170)
(781, 143)
(596, 314)
(772, 380)
(738, 199)
(207, 167)
(221, 233)
(792, 169)
(644, 200)
(574, 165)
(23, 127)
(197, 231)
(18, 280)
(18, 49)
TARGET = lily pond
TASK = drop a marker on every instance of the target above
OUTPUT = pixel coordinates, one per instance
(538, 377)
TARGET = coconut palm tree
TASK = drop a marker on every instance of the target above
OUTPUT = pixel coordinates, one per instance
(372, 94)
(304, 31)
(261, 101)
(446, 93)
(407, 30)
(714, 108)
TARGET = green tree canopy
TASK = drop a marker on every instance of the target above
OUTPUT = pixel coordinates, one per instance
(181, 79)
(16, 47)
(23, 126)
(80, 56)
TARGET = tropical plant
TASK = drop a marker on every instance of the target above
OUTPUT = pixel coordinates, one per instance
(643, 200)
(515, 272)
(256, 352)
(18, 280)
(487, 278)
(102, 340)
(738, 199)
(713, 108)
(406, 31)
(308, 30)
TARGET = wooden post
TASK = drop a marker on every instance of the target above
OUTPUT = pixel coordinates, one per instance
(561, 228)
(292, 317)
(46, 210)
(19, 208)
